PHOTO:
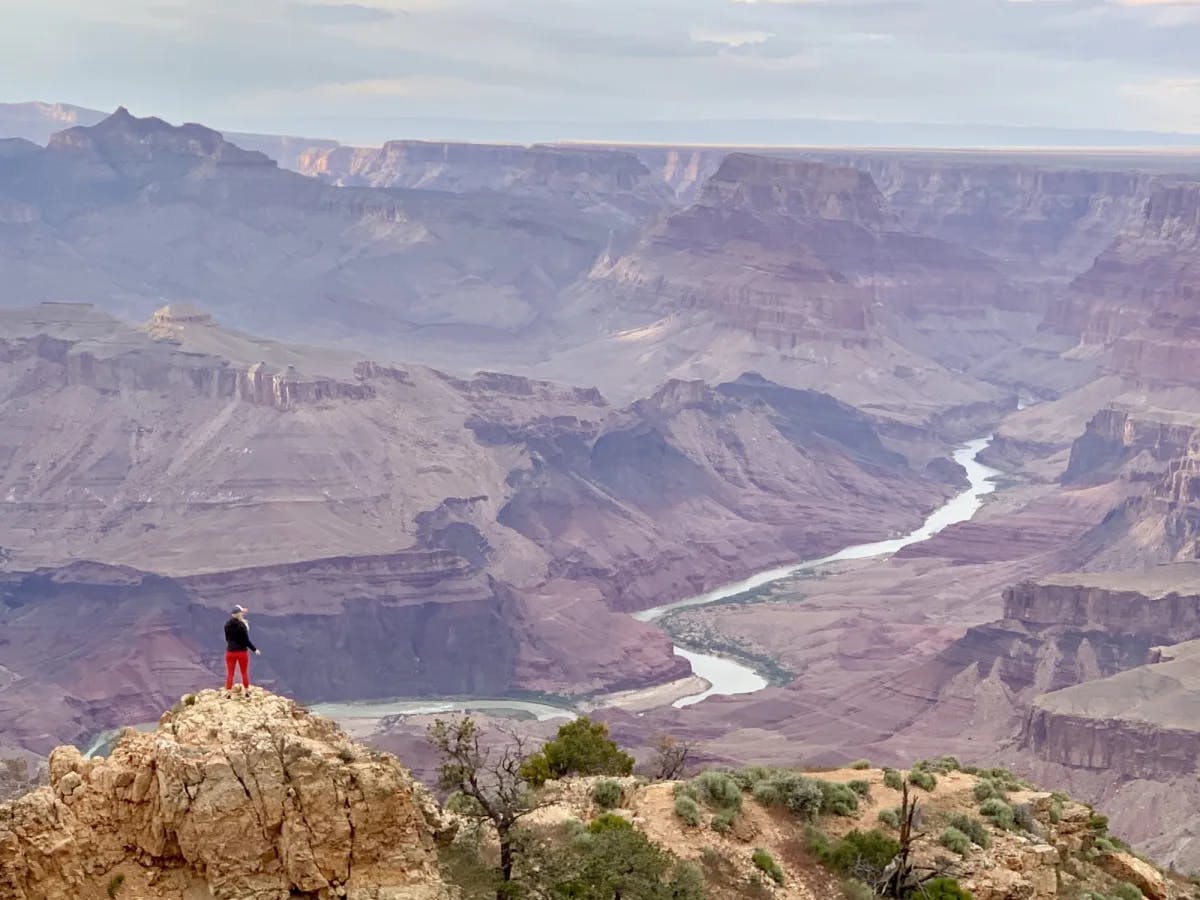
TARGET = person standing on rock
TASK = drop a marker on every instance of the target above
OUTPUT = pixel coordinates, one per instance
(238, 646)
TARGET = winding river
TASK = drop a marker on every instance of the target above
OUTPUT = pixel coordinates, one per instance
(724, 675)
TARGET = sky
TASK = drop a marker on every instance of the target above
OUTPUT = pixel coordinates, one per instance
(359, 71)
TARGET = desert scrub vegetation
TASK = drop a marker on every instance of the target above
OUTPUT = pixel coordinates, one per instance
(860, 787)
(860, 764)
(998, 813)
(939, 889)
(943, 765)
(923, 779)
(606, 793)
(791, 790)
(688, 810)
(766, 863)
(893, 779)
(717, 790)
(722, 822)
(973, 829)
(115, 884)
(860, 854)
(837, 799)
(890, 818)
(954, 840)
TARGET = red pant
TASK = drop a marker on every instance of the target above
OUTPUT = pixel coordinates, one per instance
(240, 658)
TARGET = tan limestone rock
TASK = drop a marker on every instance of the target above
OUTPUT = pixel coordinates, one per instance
(248, 797)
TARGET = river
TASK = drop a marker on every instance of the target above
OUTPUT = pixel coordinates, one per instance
(727, 676)
(724, 675)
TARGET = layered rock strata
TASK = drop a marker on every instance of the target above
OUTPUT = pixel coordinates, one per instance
(247, 797)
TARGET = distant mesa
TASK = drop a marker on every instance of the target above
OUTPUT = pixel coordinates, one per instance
(181, 314)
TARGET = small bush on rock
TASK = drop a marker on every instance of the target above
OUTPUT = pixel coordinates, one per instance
(953, 839)
(718, 790)
(688, 810)
(837, 799)
(749, 776)
(1025, 819)
(939, 889)
(864, 854)
(860, 787)
(581, 747)
(986, 790)
(972, 828)
(860, 764)
(606, 794)
(998, 813)
(927, 781)
(722, 822)
(800, 795)
(1127, 891)
(114, 884)
(890, 818)
(766, 862)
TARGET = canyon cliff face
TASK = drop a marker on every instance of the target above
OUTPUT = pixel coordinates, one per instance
(608, 183)
(801, 267)
(181, 207)
(249, 797)
(444, 535)
(1042, 222)
(1137, 303)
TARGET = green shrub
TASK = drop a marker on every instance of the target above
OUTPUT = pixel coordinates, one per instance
(114, 884)
(985, 790)
(927, 781)
(893, 779)
(860, 787)
(800, 795)
(1098, 823)
(189, 699)
(890, 818)
(1024, 818)
(864, 854)
(837, 799)
(722, 822)
(943, 765)
(1056, 811)
(606, 794)
(973, 829)
(1127, 891)
(609, 822)
(860, 764)
(581, 747)
(853, 889)
(939, 889)
(1104, 845)
(346, 755)
(749, 776)
(688, 810)
(998, 813)
(766, 862)
(718, 790)
(953, 839)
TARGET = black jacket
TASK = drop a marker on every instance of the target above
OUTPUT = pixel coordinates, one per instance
(237, 636)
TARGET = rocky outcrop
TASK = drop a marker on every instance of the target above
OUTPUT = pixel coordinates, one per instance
(1137, 301)
(140, 365)
(247, 797)
(606, 181)
(1048, 221)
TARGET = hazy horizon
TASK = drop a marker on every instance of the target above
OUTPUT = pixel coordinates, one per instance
(621, 70)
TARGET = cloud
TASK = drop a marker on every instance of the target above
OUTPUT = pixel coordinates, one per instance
(285, 64)
(341, 13)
